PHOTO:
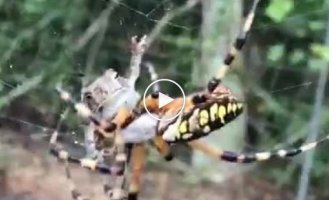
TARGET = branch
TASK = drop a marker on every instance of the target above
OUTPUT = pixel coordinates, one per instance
(166, 19)
(99, 25)
(25, 86)
(91, 57)
(94, 27)
(138, 48)
(314, 126)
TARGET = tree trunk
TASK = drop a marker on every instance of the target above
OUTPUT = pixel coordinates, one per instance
(220, 26)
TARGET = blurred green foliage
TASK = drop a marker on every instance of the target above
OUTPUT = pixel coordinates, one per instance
(279, 9)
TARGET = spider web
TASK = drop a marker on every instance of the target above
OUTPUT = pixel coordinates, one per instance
(44, 130)
(152, 11)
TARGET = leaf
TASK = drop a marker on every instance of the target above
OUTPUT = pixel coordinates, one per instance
(34, 6)
(316, 25)
(297, 56)
(275, 52)
(315, 64)
(279, 9)
(321, 51)
(184, 41)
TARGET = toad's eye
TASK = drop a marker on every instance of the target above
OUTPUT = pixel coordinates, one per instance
(88, 96)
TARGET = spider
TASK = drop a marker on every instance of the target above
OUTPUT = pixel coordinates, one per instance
(204, 112)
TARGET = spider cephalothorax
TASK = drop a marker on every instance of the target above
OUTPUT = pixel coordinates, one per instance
(217, 89)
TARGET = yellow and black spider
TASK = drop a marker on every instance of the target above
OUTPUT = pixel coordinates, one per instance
(204, 112)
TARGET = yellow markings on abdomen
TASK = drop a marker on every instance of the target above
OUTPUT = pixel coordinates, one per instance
(234, 107)
(206, 129)
(229, 107)
(222, 113)
(193, 121)
(204, 117)
(213, 112)
(183, 127)
(239, 105)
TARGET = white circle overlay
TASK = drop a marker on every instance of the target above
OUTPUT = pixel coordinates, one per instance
(171, 81)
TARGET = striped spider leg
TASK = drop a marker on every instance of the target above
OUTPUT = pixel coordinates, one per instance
(101, 138)
(59, 152)
(104, 102)
(177, 130)
(204, 112)
(108, 144)
(101, 96)
(99, 101)
(207, 111)
(163, 132)
(132, 133)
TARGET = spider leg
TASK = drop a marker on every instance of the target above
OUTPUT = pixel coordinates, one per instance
(138, 158)
(235, 157)
(162, 147)
(215, 107)
(124, 117)
(153, 75)
(60, 153)
(108, 131)
(237, 46)
(101, 126)
(89, 141)
(118, 167)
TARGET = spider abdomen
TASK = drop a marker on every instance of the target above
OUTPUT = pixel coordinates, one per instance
(202, 120)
